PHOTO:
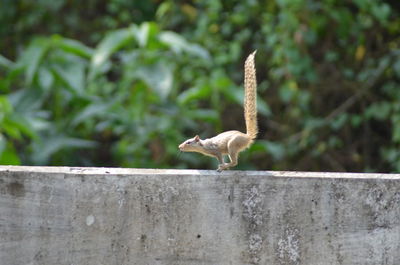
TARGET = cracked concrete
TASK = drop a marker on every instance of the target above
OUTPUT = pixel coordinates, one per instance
(114, 216)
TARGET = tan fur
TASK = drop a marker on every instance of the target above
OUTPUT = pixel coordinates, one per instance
(250, 99)
(231, 143)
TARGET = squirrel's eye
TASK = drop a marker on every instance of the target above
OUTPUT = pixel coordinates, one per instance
(189, 142)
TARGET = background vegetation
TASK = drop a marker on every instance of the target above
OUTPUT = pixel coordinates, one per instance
(122, 83)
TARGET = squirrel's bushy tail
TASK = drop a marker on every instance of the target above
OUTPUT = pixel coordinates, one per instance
(250, 99)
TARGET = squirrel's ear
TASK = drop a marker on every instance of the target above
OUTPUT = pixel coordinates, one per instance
(196, 138)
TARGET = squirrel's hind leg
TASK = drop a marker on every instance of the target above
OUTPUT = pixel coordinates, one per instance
(233, 157)
(235, 145)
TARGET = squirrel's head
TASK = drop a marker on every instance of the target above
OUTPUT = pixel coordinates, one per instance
(191, 145)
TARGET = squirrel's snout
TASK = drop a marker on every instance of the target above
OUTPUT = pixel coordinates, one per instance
(181, 146)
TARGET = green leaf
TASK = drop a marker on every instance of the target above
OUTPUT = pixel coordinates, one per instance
(378, 111)
(275, 149)
(142, 34)
(46, 78)
(198, 51)
(159, 77)
(73, 76)
(73, 46)
(26, 101)
(3, 143)
(396, 67)
(356, 120)
(94, 109)
(262, 107)
(392, 155)
(11, 129)
(194, 93)
(53, 144)
(16, 125)
(178, 44)
(8, 154)
(4, 62)
(163, 9)
(23, 124)
(339, 121)
(5, 106)
(114, 41)
(396, 128)
(204, 114)
(381, 12)
(175, 41)
(32, 58)
(146, 35)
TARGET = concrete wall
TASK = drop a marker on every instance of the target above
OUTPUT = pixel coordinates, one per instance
(109, 216)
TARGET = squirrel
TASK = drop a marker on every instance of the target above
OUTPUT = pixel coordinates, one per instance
(231, 143)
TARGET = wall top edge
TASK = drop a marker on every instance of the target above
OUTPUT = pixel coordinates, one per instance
(194, 172)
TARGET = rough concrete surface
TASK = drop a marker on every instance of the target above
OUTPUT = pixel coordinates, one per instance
(113, 216)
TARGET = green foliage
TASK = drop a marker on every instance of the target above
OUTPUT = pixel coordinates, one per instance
(328, 72)
(330, 66)
(74, 105)
(83, 20)
(8, 154)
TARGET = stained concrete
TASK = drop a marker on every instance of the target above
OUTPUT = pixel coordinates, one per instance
(108, 216)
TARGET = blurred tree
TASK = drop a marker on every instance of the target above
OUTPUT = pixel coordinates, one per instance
(115, 104)
(83, 20)
(328, 70)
